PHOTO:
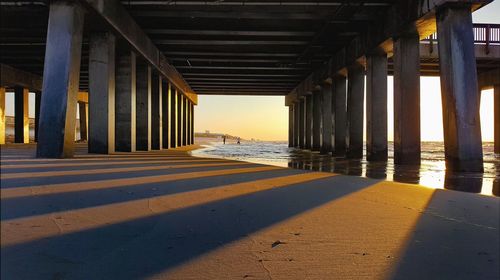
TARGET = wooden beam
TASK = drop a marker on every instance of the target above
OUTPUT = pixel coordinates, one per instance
(11, 77)
(401, 18)
(123, 24)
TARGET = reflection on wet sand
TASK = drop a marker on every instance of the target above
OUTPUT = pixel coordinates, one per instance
(428, 173)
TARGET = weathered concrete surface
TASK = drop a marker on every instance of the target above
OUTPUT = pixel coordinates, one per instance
(376, 106)
(309, 108)
(185, 120)
(143, 107)
(166, 100)
(125, 102)
(340, 115)
(316, 124)
(21, 115)
(38, 101)
(83, 118)
(355, 111)
(290, 126)
(174, 118)
(407, 99)
(102, 93)
(2, 115)
(296, 123)
(166, 215)
(496, 90)
(302, 123)
(60, 80)
(192, 123)
(156, 112)
(459, 89)
(180, 119)
(326, 111)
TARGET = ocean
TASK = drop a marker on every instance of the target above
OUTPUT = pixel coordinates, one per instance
(431, 172)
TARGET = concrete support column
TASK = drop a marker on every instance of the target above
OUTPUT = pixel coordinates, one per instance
(82, 110)
(407, 99)
(2, 115)
(188, 141)
(61, 76)
(21, 115)
(184, 120)
(125, 127)
(290, 126)
(166, 107)
(174, 117)
(192, 123)
(376, 106)
(326, 111)
(309, 119)
(355, 111)
(102, 58)
(340, 115)
(38, 101)
(180, 119)
(143, 107)
(302, 123)
(496, 93)
(296, 121)
(316, 123)
(459, 89)
(156, 112)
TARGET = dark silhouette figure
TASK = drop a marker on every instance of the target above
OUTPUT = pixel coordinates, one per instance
(224, 139)
(238, 141)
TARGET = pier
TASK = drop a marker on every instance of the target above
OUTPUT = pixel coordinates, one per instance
(129, 202)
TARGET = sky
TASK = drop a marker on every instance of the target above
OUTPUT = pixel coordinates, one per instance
(266, 118)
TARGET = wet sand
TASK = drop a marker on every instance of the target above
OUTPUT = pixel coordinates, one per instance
(168, 215)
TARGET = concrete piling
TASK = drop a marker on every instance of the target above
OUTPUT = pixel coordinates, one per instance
(60, 80)
(459, 89)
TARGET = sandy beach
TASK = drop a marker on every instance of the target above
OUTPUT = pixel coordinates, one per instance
(168, 215)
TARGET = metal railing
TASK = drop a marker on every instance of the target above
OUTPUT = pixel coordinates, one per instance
(484, 34)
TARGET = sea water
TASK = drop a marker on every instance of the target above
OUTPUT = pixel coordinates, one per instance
(430, 173)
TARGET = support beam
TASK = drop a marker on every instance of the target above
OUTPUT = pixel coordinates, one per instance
(327, 133)
(184, 121)
(38, 101)
(12, 77)
(174, 117)
(302, 122)
(308, 121)
(82, 110)
(459, 89)
(316, 123)
(296, 123)
(355, 111)
(120, 21)
(166, 100)
(60, 80)
(180, 119)
(156, 112)
(496, 93)
(21, 115)
(407, 99)
(290, 126)
(188, 122)
(2, 115)
(376, 106)
(192, 123)
(143, 107)
(102, 93)
(340, 115)
(125, 105)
